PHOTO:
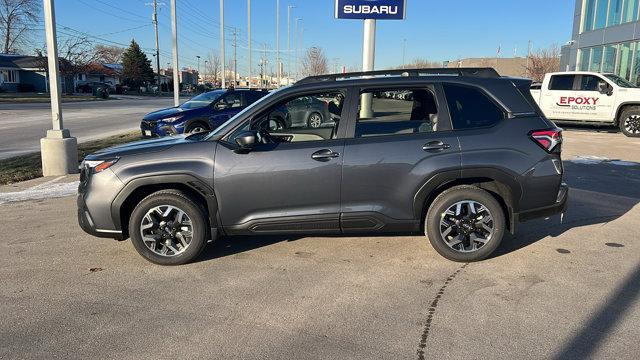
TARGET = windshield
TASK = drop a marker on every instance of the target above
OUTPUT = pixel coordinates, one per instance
(222, 127)
(202, 100)
(620, 81)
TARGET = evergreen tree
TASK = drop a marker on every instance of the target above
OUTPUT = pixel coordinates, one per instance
(136, 67)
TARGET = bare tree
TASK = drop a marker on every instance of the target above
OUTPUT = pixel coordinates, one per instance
(76, 54)
(421, 64)
(17, 21)
(542, 61)
(213, 68)
(314, 62)
(108, 54)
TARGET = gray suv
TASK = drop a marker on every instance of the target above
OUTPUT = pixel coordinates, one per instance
(466, 159)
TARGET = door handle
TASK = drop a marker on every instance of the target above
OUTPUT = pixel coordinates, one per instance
(324, 155)
(435, 146)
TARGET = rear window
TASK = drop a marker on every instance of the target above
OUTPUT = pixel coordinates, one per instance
(561, 82)
(471, 108)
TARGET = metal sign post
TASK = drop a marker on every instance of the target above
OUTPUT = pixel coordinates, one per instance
(59, 150)
(369, 11)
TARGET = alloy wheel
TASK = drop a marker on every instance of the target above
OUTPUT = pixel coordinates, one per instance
(166, 230)
(315, 120)
(466, 226)
(632, 124)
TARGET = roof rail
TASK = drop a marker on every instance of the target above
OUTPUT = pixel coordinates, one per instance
(474, 72)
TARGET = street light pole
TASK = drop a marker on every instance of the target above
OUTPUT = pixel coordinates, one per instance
(289, 42)
(198, 77)
(224, 61)
(296, 40)
(176, 78)
(249, 35)
(278, 41)
(205, 72)
(59, 150)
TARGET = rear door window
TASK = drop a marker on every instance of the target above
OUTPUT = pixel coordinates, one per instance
(471, 108)
(561, 82)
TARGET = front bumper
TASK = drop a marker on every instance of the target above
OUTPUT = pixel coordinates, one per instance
(95, 195)
(154, 129)
(87, 225)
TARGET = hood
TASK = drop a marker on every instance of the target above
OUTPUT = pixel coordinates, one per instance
(164, 113)
(137, 147)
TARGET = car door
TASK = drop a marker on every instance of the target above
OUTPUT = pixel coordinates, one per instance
(554, 100)
(226, 107)
(288, 183)
(589, 102)
(390, 155)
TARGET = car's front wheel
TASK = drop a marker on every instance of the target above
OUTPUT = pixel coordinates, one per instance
(465, 223)
(630, 121)
(197, 128)
(168, 228)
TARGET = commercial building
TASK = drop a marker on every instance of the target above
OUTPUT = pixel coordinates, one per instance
(606, 38)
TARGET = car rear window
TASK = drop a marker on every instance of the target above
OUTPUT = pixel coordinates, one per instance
(471, 108)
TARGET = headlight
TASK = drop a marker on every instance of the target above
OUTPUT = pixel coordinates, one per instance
(98, 165)
(171, 119)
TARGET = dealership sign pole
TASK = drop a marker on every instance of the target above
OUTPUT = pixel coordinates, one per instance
(58, 149)
(370, 11)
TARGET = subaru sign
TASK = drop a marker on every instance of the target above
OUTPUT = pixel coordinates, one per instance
(371, 9)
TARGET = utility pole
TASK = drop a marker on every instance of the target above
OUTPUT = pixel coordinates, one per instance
(155, 26)
(296, 36)
(59, 150)
(278, 41)
(249, 36)
(224, 61)
(528, 56)
(235, 58)
(176, 78)
(289, 43)
(198, 77)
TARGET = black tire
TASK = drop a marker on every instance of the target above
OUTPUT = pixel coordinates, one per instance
(312, 124)
(197, 125)
(181, 201)
(449, 198)
(629, 121)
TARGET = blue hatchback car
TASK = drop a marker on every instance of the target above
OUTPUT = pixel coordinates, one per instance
(204, 112)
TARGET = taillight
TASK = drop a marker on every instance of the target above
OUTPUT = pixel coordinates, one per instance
(547, 139)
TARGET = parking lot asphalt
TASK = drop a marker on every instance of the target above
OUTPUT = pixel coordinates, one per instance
(554, 290)
(24, 124)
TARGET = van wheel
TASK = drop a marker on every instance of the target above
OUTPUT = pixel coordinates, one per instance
(630, 121)
(465, 223)
(168, 228)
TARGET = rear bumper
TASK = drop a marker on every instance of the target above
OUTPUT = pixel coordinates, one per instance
(560, 206)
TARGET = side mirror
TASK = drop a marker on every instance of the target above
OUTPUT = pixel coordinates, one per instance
(604, 88)
(246, 140)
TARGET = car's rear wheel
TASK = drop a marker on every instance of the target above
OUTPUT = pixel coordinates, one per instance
(168, 228)
(315, 120)
(630, 121)
(197, 128)
(465, 223)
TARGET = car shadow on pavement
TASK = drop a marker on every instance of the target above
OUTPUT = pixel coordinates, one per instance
(599, 326)
(600, 192)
